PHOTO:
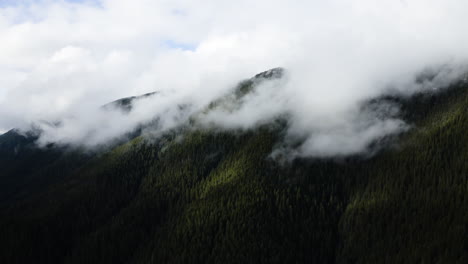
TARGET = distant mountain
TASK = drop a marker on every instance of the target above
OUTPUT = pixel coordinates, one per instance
(126, 104)
(202, 196)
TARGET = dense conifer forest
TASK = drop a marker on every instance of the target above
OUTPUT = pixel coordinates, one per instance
(208, 196)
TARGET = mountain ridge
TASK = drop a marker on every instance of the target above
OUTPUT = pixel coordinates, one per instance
(217, 196)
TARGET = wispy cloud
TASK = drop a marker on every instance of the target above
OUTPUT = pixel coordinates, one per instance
(61, 59)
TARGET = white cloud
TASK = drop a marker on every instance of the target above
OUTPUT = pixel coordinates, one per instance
(60, 60)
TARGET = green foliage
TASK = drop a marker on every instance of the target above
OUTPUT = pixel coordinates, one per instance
(217, 197)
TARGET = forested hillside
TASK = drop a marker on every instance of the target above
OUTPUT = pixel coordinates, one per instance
(209, 196)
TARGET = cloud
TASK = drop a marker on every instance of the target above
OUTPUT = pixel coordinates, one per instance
(60, 61)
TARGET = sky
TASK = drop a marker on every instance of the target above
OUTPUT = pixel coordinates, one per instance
(61, 60)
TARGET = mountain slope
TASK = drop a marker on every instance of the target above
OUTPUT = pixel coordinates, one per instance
(203, 196)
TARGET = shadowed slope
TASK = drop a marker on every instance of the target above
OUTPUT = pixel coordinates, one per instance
(203, 196)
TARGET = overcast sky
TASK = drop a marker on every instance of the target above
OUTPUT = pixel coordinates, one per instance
(59, 59)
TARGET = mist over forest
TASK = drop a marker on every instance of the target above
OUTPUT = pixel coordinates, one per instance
(213, 131)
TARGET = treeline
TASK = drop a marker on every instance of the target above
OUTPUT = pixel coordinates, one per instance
(218, 197)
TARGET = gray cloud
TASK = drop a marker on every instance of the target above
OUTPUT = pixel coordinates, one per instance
(61, 61)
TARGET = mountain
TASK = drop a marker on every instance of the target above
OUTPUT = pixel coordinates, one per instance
(209, 196)
(125, 104)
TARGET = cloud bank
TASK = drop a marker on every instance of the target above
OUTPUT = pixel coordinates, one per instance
(60, 61)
